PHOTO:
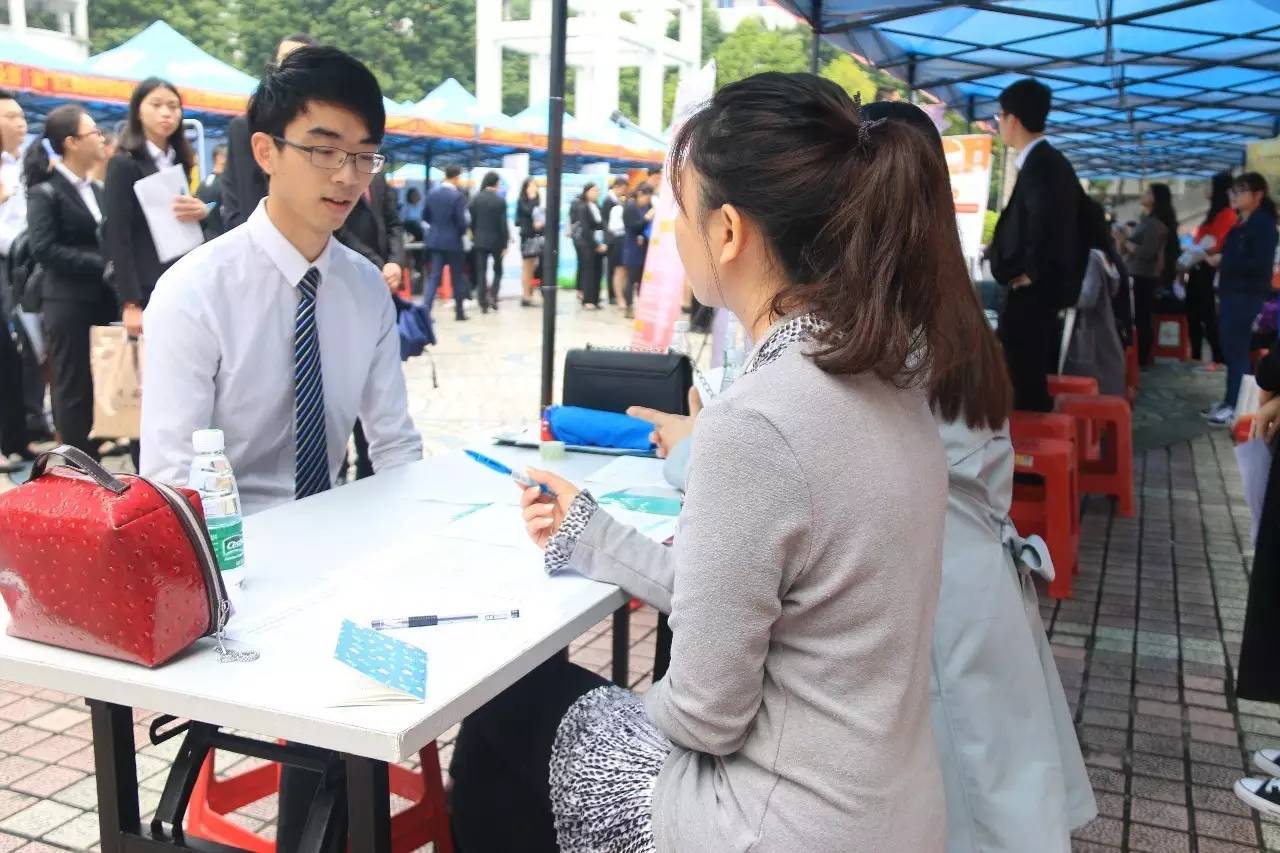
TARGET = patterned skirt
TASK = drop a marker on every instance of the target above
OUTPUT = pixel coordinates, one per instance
(604, 765)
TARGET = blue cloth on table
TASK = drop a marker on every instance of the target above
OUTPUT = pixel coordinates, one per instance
(593, 428)
(414, 324)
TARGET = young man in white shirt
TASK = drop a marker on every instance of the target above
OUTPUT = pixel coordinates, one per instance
(276, 333)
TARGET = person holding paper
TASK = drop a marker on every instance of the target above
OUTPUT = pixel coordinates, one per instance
(153, 140)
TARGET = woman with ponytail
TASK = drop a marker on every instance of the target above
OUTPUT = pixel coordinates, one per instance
(64, 212)
(1245, 269)
(804, 575)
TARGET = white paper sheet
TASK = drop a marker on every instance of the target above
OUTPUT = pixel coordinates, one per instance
(1254, 459)
(155, 193)
(631, 472)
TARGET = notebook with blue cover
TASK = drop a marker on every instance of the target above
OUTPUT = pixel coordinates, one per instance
(390, 670)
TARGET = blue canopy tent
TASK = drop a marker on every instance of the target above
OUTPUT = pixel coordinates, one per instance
(1141, 87)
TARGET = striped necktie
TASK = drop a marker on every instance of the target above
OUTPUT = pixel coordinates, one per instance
(311, 470)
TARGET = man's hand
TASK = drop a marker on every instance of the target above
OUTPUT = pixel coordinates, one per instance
(132, 316)
(189, 208)
(393, 275)
(669, 430)
(1020, 282)
(1214, 260)
(1267, 421)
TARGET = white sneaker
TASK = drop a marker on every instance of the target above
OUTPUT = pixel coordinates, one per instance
(1222, 417)
(1261, 794)
(1268, 761)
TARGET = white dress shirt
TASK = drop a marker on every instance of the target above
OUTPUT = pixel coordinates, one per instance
(160, 158)
(84, 186)
(219, 354)
(13, 213)
(1025, 152)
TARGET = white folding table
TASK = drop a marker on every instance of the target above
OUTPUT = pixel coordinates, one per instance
(305, 561)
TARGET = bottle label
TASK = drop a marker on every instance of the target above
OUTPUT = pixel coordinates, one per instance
(228, 543)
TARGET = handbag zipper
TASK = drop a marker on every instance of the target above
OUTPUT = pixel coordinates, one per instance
(219, 603)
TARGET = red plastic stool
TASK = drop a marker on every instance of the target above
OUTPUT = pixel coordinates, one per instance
(1059, 385)
(1180, 350)
(1240, 430)
(1052, 425)
(1131, 372)
(425, 822)
(1048, 510)
(1110, 471)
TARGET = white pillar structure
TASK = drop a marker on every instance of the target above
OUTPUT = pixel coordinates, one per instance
(18, 15)
(604, 36)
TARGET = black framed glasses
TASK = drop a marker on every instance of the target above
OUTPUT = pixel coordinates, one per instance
(328, 157)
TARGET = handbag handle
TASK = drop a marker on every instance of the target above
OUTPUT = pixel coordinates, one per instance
(80, 461)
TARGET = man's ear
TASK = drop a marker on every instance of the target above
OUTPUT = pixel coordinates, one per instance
(265, 150)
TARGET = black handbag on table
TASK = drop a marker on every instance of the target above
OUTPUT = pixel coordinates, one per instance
(612, 380)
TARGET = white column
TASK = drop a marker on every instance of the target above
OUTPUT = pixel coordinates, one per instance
(691, 34)
(17, 15)
(539, 78)
(80, 20)
(652, 23)
(488, 55)
(604, 75)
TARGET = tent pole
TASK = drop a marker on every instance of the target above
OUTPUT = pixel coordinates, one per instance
(911, 79)
(969, 115)
(817, 36)
(555, 171)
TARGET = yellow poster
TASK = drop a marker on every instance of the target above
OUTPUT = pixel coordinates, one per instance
(969, 162)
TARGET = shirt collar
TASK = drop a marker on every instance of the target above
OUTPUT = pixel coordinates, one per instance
(76, 181)
(157, 155)
(288, 260)
(1025, 152)
(6, 158)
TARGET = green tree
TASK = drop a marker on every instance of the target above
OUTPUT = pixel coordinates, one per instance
(848, 74)
(754, 48)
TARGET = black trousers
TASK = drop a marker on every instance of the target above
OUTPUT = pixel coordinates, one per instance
(1029, 332)
(457, 277)
(1202, 312)
(634, 275)
(590, 267)
(13, 415)
(364, 465)
(488, 292)
(1144, 300)
(66, 332)
(501, 792)
(35, 385)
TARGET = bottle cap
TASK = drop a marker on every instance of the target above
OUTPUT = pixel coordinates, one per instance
(208, 441)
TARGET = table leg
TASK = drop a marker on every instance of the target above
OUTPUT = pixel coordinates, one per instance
(622, 645)
(117, 774)
(368, 805)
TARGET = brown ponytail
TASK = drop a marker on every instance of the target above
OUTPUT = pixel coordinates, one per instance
(858, 215)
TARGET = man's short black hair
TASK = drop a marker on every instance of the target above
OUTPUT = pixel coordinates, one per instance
(491, 179)
(451, 172)
(299, 38)
(317, 74)
(1030, 101)
(8, 95)
(221, 148)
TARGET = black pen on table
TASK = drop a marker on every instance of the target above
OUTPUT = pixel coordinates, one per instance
(428, 621)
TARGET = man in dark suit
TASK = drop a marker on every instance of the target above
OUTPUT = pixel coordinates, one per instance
(373, 229)
(445, 210)
(243, 183)
(1036, 251)
(490, 234)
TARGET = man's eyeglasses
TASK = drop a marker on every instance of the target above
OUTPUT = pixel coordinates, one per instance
(328, 157)
(97, 130)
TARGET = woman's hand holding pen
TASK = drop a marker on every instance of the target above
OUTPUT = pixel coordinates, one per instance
(543, 514)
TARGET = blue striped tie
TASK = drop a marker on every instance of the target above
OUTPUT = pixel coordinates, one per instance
(311, 470)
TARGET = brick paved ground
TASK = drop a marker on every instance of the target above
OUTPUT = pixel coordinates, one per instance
(1145, 645)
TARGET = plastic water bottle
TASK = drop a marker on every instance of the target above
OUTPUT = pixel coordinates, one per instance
(212, 478)
(734, 352)
(680, 337)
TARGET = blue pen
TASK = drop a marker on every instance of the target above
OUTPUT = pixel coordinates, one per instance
(522, 479)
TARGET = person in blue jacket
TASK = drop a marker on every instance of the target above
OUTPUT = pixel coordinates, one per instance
(1245, 267)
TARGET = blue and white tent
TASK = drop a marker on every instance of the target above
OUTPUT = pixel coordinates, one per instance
(162, 51)
(1141, 87)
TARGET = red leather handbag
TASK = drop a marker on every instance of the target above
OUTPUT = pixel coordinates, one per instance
(120, 567)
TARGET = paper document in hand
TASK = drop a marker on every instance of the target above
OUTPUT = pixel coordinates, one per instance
(1254, 458)
(155, 193)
